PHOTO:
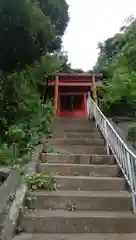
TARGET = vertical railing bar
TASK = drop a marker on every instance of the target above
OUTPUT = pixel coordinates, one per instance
(131, 182)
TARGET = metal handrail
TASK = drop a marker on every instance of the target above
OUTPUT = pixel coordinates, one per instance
(125, 158)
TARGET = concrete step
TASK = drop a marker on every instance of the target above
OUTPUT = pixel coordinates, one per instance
(79, 149)
(80, 169)
(73, 129)
(76, 158)
(73, 120)
(60, 221)
(78, 124)
(78, 135)
(90, 183)
(77, 141)
(87, 126)
(85, 236)
(80, 200)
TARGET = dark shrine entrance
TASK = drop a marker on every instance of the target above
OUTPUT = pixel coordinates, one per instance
(72, 106)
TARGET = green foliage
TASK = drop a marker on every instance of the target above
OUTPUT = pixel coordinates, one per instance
(118, 55)
(47, 64)
(24, 118)
(33, 29)
(120, 95)
(8, 156)
(57, 10)
(30, 36)
(132, 134)
(41, 181)
(16, 133)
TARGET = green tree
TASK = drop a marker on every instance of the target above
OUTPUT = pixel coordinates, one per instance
(57, 10)
(31, 29)
(118, 57)
(57, 13)
(29, 40)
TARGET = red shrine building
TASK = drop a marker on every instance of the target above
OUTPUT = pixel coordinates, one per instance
(69, 93)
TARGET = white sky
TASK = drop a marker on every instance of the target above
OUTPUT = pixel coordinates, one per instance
(93, 21)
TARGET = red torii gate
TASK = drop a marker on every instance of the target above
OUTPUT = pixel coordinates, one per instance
(69, 92)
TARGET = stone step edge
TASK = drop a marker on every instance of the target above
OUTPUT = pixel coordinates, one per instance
(84, 236)
(75, 139)
(90, 178)
(79, 165)
(81, 193)
(78, 154)
(78, 135)
(76, 146)
(43, 213)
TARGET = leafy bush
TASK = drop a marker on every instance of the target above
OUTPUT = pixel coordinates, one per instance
(34, 28)
(8, 156)
(16, 133)
(118, 56)
(120, 95)
(32, 52)
(25, 118)
(41, 181)
(132, 134)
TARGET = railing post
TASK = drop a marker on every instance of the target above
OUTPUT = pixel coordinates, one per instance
(131, 176)
(94, 112)
(106, 137)
(89, 106)
(95, 117)
(94, 89)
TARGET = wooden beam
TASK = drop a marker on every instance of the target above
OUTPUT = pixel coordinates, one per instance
(75, 84)
(99, 75)
(56, 94)
(73, 93)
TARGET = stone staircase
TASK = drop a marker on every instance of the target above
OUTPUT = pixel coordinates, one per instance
(92, 200)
